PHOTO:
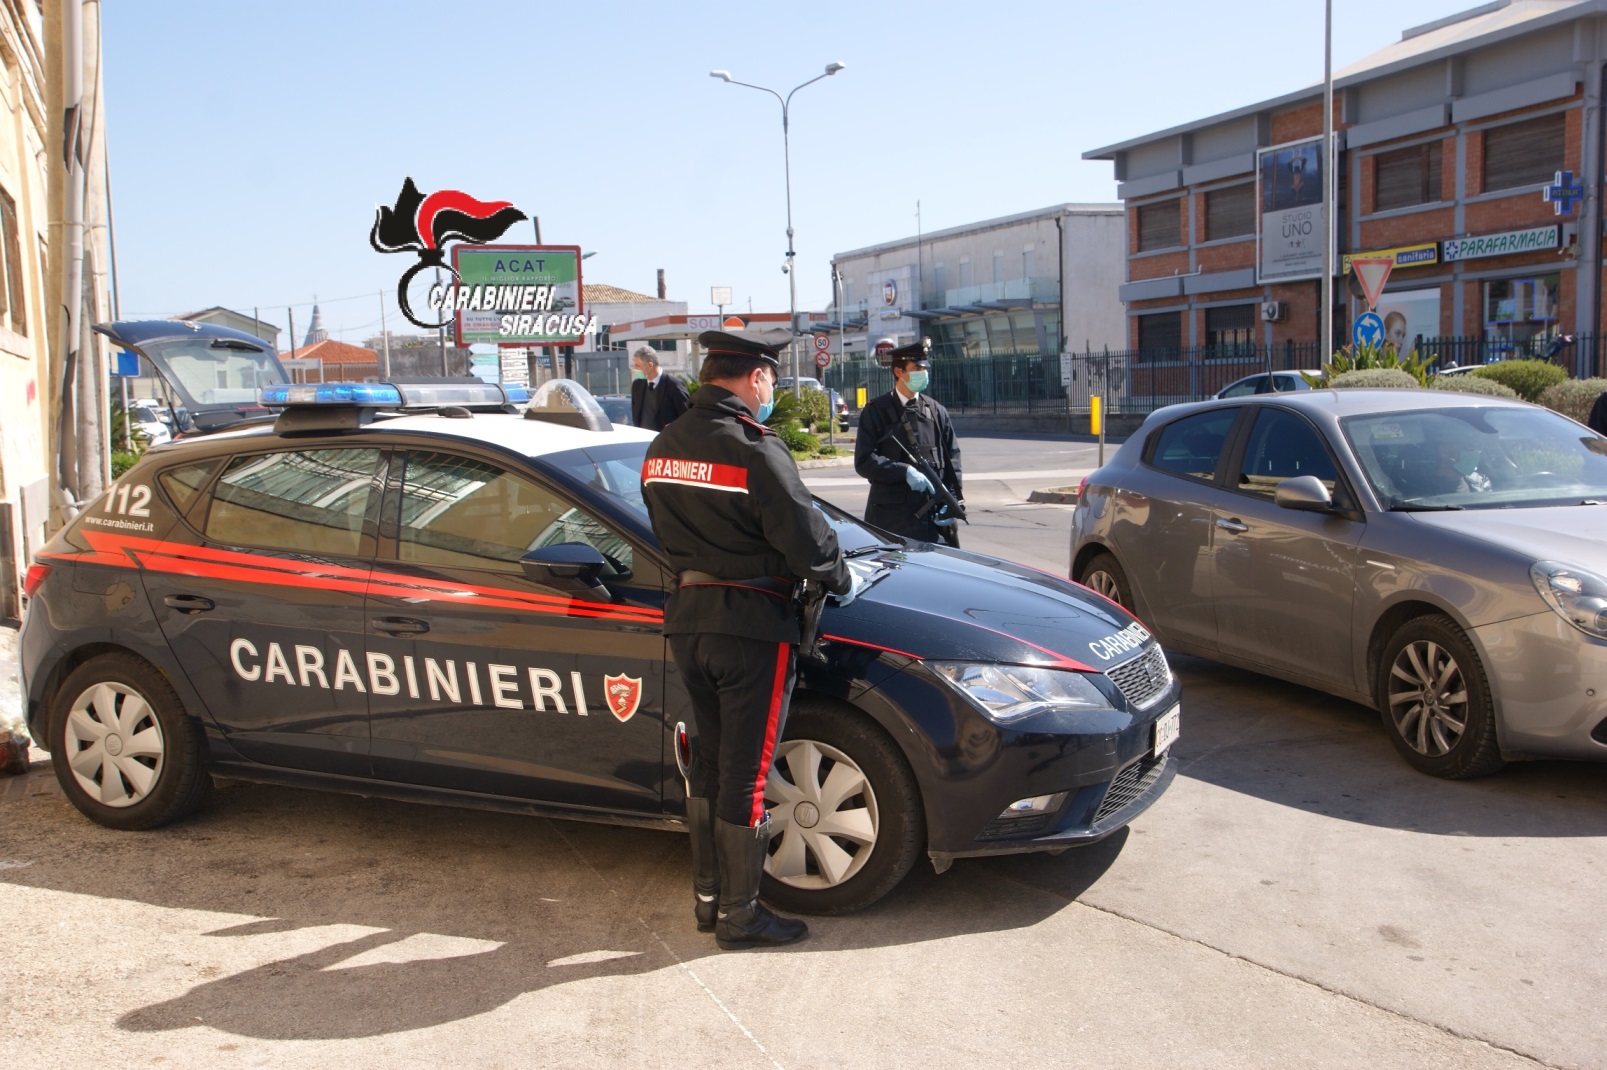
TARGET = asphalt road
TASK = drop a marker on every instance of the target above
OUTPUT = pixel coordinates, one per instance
(1299, 898)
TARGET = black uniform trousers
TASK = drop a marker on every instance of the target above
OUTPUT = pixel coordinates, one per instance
(740, 689)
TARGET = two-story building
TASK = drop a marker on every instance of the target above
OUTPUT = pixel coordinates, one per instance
(1450, 141)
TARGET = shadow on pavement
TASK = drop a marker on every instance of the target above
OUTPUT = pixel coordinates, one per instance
(339, 917)
(1303, 748)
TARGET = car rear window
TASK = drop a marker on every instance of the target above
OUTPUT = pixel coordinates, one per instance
(1193, 445)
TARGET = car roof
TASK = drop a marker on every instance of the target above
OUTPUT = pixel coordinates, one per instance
(1333, 403)
(529, 438)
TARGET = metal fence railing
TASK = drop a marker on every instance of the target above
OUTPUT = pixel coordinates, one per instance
(1140, 381)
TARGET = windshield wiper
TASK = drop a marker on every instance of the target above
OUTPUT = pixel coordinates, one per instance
(1413, 507)
(861, 551)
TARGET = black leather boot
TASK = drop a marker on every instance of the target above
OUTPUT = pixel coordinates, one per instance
(743, 922)
(705, 863)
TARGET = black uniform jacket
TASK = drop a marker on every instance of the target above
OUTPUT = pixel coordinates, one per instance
(653, 407)
(1598, 416)
(891, 504)
(725, 499)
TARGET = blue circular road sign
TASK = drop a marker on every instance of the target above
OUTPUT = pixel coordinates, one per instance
(1369, 331)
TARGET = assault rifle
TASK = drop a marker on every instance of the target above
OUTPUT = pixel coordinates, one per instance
(941, 495)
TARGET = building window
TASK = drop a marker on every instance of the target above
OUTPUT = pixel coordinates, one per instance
(1230, 329)
(965, 272)
(1230, 213)
(998, 267)
(1160, 225)
(1160, 336)
(1407, 177)
(1516, 310)
(1524, 154)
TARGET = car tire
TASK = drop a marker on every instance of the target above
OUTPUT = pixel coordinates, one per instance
(1435, 700)
(125, 751)
(1103, 575)
(841, 797)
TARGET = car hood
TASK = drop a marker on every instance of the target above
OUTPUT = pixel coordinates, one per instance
(931, 602)
(1572, 534)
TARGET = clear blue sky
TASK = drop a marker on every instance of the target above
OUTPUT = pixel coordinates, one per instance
(251, 143)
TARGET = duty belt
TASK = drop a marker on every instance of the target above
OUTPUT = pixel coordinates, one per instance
(771, 585)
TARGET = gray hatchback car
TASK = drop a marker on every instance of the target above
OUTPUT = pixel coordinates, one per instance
(1442, 557)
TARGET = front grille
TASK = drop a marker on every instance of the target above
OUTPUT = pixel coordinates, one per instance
(1134, 780)
(1144, 679)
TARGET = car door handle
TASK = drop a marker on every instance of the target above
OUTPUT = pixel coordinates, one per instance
(1233, 524)
(188, 603)
(400, 625)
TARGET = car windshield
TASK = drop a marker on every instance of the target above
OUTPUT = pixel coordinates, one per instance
(1478, 458)
(615, 471)
(144, 415)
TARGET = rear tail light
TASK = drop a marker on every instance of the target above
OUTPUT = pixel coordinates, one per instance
(1082, 488)
(33, 578)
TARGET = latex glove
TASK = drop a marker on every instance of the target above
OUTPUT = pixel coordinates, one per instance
(846, 598)
(916, 480)
(945, 521)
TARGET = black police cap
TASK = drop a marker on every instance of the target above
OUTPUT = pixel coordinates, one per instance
(920, 351)
(726, 344)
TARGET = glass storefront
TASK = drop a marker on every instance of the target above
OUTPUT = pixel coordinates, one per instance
(1516, 310)
(1018, 333)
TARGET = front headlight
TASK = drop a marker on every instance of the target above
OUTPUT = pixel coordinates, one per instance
(1578, 596)
(1010, 692)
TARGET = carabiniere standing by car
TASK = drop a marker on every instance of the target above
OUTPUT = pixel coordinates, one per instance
(894, 430)
(741, 532)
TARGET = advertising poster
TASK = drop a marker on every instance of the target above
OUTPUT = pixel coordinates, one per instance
(1409, 317)
(519, 294)
(1289, 181)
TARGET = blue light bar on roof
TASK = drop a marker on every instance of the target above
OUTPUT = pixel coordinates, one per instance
(331, 394)
(517, 394)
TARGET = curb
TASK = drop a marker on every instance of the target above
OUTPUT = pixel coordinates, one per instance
(828, 462)
(1055, 495)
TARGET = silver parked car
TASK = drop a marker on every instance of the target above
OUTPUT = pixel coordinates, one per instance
(1442, 557)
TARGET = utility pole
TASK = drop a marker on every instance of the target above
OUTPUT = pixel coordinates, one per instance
(1330, 171)
(385, 341)
(290, 312)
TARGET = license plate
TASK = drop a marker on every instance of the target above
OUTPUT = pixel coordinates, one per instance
(1167, 728)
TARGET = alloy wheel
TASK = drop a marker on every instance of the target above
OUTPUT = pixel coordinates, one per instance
(823, 813)
(1428, 698)
(114, 744)
(1101, 582)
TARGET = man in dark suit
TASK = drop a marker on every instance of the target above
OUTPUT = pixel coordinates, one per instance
(656, 398)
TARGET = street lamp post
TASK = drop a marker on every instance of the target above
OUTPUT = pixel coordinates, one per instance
(786, 147)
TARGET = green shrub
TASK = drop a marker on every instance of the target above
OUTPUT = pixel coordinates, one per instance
(798, 440)
(122, 461)
(1375, 378)
(829, 451)
(1573, 397)
(1471, 384)
(816, 407)
(1367, 358)
(1529, 378)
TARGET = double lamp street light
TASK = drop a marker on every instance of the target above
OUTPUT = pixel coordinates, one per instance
(786, 147)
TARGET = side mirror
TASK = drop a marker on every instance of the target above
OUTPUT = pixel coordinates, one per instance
(1305, 493)
(574, 567)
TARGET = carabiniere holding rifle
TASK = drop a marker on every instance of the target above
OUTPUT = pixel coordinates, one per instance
(906, 448)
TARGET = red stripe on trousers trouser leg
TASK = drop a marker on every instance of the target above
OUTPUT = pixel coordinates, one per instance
(771, 722)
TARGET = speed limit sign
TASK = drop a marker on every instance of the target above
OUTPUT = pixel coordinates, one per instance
(822, 343)
(823, 359)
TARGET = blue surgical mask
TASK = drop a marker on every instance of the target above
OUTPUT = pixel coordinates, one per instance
(765, 409)
(917, 381)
